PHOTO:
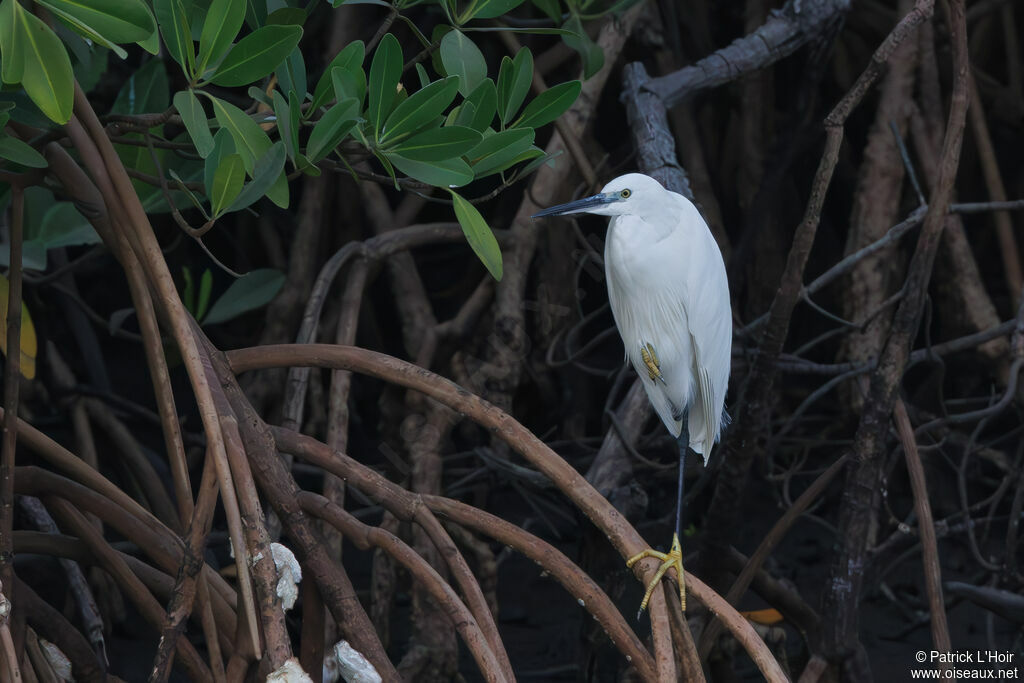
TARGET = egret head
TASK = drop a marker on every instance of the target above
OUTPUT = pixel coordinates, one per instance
(633, 193)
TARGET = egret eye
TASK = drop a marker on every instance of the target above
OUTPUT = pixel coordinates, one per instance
(625, 194)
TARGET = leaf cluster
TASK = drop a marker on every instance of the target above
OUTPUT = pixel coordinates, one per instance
(452, 124)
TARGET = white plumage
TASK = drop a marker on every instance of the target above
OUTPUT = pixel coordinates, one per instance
(669, 295)
(670, 298)
(667, 287)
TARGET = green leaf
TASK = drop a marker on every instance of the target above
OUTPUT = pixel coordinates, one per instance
(483, 102)
(420, 109)
(187, 192)
(227, 183)
(286, 127)
(447, 173)
(174, 26)
(489, 9)
(194, 117)
(89, 73)
(331, 129)
(223, 21)
(438, 144)
(436, 36)
(478, 234)
(256, 13)
(461, 115)
(205, 287)
(287, 15)
(196, 11)
(91, 34)
(291, 74)
(79, 50)
(266, 180)
(549, 105)
(348, 84)
(138, 157)
(539, 159)
(150, 44)
(387, 167)
(278, 192)
(514, 80)
(294, 113)
(307, 168)
(550, 8)
(145, 91)
(462, 58)
(46, 73)
(119, 21)
(249, 292)
(256, 55)
(350, 58)
(223, 145)
(250, 140)
(499, 151)
(421, 73)
(526, 155)
(19, 152)
(385, 72)
(64, 226)
(295, 110)
(590, 52)
(12, 52)
(260, 96)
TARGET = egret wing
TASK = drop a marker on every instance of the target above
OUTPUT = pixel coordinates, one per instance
(669, 290)
(705, 390)
(709, 318)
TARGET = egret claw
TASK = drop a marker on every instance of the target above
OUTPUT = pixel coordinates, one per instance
(673, 558)
(650, 360)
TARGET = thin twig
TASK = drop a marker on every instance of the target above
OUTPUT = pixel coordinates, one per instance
(12, 382)
(926, 528)
(88, 611)
(13, 671)
(180, 606)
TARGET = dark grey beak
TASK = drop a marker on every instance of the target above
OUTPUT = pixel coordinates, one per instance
(579, 206)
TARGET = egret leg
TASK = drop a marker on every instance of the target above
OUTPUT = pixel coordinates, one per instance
(684, 445)
(674, 557)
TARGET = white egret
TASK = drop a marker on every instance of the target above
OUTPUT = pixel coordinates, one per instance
(670, 298)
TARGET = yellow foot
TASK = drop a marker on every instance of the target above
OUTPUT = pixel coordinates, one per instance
(673, 558)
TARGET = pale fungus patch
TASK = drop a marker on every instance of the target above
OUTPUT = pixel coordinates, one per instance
(289, 574)
(290, 672)
(348, 664)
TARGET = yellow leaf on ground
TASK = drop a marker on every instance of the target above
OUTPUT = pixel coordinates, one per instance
(766, 617)
(29, 346)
